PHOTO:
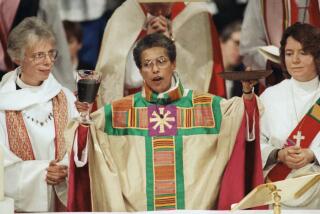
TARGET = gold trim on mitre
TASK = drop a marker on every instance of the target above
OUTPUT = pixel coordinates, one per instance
(156, 1)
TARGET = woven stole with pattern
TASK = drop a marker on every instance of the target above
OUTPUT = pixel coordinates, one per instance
(19, 141)
(305, 132)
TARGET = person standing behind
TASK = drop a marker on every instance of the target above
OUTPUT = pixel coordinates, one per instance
(232, 61)
(34, 111)
(263, 24)
(290, 140)
(199, 49)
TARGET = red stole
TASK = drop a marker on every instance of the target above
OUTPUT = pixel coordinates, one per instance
(19, 141)
(244, 169)
(280, 14)
(79, 194)
(307, 128)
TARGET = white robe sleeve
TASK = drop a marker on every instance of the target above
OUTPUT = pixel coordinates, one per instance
(253, 36)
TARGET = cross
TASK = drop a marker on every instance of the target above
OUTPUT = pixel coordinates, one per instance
(298, 137)
(161, 121)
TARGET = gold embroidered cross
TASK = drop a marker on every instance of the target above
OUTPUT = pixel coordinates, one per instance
(161, 121)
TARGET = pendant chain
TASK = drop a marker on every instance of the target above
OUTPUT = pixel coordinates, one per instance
(37, 121)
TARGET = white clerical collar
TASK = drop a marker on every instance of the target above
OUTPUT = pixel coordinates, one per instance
(22, 84)
(310, 85)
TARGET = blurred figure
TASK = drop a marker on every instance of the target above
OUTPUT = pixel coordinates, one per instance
(8, 11)
(228, 12)
(232, 61)
(93, 16)
(74, 37)
(34, 111)
(290, 125)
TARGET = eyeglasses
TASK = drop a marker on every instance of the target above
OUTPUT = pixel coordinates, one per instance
(40, 57)
(161, 62)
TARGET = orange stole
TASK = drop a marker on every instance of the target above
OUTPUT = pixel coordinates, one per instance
(19, 141)
(309, 126)
(164, 173)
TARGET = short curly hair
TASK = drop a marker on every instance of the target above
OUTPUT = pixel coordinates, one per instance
(151, 41)
(31, 29)
(309, 38)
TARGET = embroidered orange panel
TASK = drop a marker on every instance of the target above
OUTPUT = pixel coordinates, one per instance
(19, 141)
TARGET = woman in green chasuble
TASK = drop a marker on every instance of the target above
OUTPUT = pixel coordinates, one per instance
(166, 147)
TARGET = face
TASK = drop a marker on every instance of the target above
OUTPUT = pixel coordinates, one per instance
(158, 9)
(230, 51)
(157, 69)
(300, 65)
(38, 62)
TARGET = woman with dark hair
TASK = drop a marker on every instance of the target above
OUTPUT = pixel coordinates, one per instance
(165, 147)
(290, 125)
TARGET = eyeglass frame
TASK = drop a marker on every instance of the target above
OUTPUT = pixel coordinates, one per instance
(52, 54)
(149, 64)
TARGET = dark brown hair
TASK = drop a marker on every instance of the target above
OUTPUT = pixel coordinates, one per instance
(151, 41)
(309, 38)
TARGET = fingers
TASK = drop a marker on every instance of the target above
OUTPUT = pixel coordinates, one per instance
(53, 162)
(158, 24)
(295, 157)
(56, 173)
(82, 107)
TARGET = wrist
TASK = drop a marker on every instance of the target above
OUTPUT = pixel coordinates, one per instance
(278, 155)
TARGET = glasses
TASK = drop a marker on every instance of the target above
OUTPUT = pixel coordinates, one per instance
(161, 62)
(40, 57)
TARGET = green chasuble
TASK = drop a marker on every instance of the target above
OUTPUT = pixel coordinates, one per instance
(161, 151)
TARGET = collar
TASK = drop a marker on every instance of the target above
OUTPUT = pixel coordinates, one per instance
(27, 96)
(308, 86)
(174, 93)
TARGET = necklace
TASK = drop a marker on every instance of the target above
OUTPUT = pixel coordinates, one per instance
(37, 121)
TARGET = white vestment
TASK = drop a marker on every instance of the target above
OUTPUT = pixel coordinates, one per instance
(285, 105)
(254, 33)
(194, 48)
(25, 180)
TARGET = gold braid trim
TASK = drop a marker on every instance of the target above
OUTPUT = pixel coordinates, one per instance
(19, 141)
(60, 115)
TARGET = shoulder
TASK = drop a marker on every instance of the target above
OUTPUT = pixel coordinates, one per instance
(123, 104)
(275, 92)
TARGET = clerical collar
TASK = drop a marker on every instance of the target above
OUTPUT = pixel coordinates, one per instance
(20, 84)
(310, 85)
(175, 92)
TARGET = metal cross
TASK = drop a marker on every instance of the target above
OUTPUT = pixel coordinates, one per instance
(298, 137)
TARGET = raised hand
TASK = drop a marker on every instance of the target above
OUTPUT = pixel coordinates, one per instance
(159, 24)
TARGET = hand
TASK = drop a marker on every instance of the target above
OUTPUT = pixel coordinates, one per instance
(295, 157)
(56, 173)
(159, 24)
(83, 107)
(247, 86)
